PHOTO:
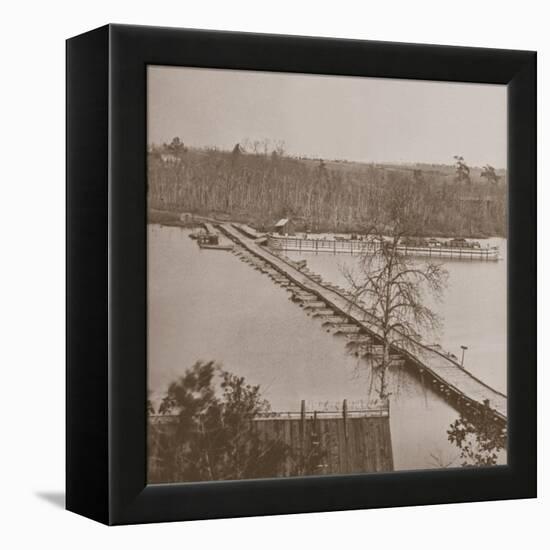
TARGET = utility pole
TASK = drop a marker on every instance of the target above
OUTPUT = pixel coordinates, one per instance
(464, 348)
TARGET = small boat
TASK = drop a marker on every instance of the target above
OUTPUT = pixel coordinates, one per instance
(216, 246)
(211, 241)
(196, 235)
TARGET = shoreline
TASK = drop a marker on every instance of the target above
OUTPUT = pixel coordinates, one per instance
(172, 218)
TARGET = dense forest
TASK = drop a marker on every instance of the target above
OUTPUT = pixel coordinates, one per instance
(262, 186)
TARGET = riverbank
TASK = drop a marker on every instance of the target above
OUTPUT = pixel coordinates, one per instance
(169, 218)
(172, 218)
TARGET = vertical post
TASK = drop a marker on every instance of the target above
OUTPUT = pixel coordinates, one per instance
(464, 348)
(314, 441)
(303, 420)
(345, 415)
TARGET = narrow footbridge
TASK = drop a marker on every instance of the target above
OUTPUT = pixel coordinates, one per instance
(457, 385)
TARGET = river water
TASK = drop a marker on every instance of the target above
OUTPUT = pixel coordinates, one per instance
(208, 305)
(472, 308)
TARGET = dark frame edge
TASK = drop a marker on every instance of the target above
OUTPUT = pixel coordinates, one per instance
(522, 273)
(87, 142)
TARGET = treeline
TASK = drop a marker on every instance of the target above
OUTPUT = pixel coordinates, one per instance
(259, 188)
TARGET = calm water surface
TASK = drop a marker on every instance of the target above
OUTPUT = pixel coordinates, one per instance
(208, 305)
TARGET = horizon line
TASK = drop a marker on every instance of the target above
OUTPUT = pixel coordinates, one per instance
(350, 160)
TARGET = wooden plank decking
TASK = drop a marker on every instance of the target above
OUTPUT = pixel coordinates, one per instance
(249, 231)
(209, 228)
(443, 369)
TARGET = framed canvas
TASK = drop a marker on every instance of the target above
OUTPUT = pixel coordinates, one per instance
(301, 274)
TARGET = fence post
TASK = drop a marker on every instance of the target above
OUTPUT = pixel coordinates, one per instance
(303, 420)
(345, 415)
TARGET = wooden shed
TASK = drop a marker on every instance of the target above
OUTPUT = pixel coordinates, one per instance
(284, 227)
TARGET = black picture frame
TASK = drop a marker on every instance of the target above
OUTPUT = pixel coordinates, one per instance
(106, 274)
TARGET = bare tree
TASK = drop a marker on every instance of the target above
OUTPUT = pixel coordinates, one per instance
(176, 147)
(392, 287)
(438, 459)
(490, 175)
(279, 148)
(462, 174)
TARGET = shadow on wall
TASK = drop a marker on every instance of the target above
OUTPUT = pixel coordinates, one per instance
(56, 499)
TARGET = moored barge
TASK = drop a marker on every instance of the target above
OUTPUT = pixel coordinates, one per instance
(456, 249)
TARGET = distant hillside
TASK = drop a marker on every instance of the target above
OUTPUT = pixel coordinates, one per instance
(321, 195)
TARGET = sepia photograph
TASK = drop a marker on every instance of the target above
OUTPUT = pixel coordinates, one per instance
(326, 275)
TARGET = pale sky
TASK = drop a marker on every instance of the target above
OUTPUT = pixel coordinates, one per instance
(333, 117)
